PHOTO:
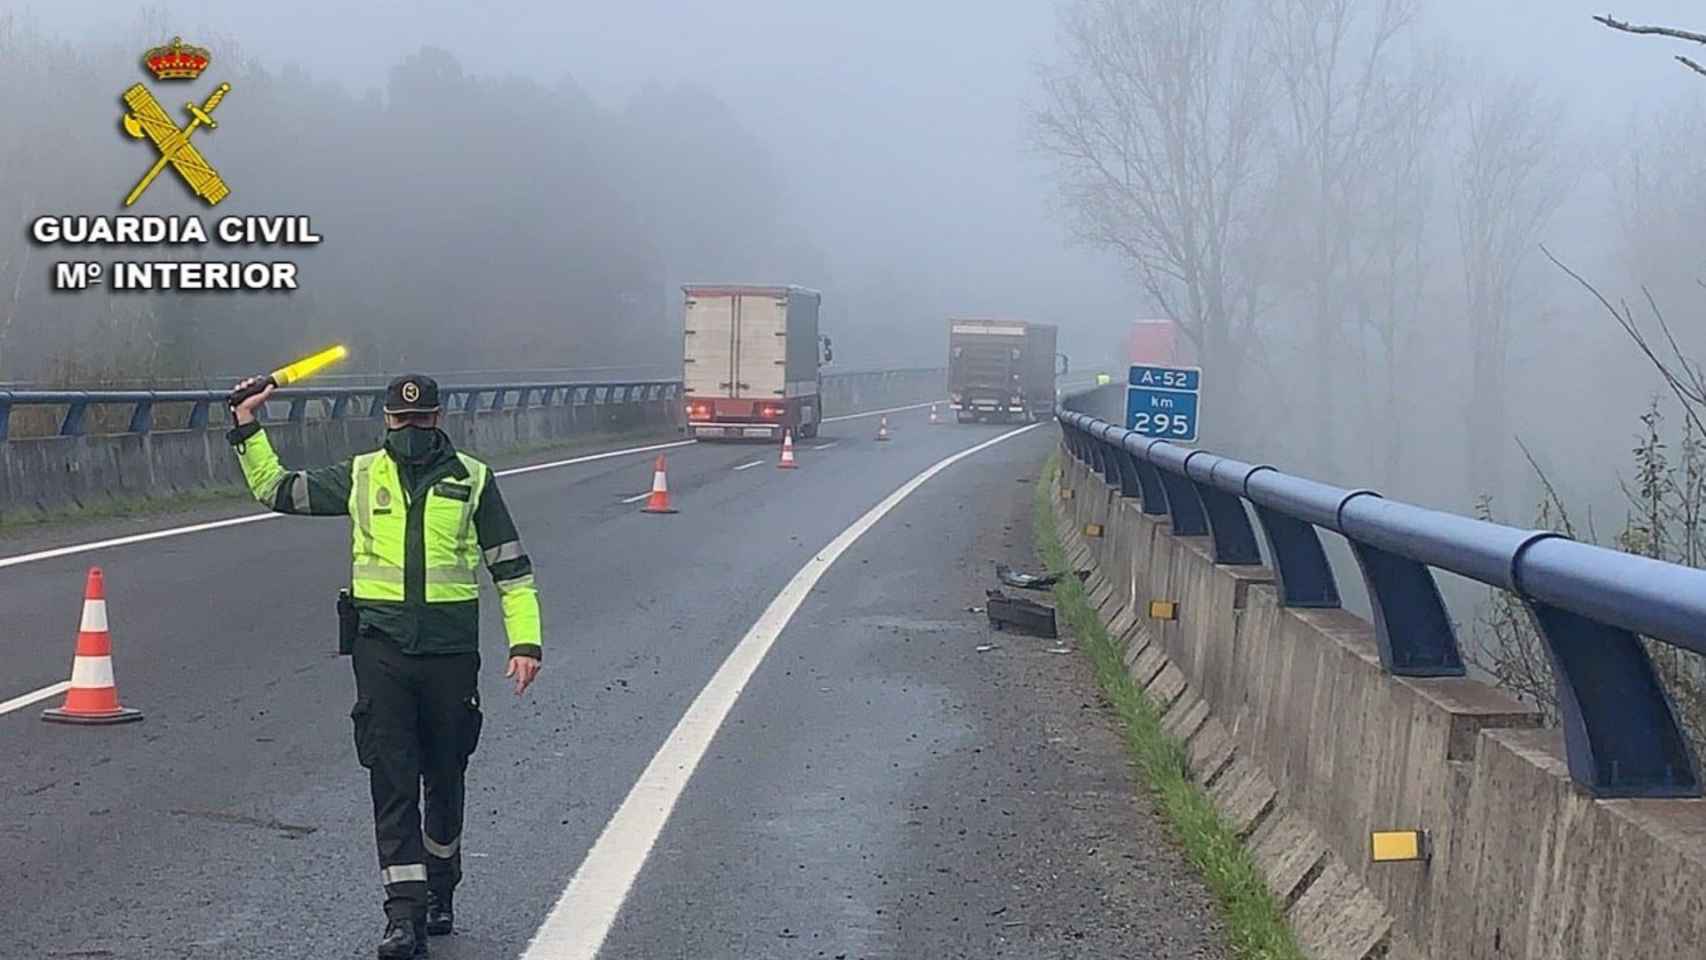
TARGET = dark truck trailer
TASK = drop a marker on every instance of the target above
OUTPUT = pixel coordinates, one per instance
(1001, 370)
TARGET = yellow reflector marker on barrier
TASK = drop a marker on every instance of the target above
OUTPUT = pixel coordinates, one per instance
(1163, 610)
(1395, 846)
(1092, 530)
(308, 366)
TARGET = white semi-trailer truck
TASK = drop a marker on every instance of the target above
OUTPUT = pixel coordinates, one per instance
(751, 361)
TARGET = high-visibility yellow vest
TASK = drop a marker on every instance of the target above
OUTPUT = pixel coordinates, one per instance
(380, 509)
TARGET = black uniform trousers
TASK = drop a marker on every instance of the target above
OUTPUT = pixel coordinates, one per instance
(417, 721)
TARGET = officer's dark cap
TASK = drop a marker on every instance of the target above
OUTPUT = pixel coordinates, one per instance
(412, 393)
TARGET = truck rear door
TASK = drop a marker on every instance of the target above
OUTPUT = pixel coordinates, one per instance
(709, 346)
(761, 354)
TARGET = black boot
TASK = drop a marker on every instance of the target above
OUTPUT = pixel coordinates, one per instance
(403, 940)
(440, 919)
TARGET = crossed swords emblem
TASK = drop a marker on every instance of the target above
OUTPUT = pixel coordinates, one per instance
(148, 119)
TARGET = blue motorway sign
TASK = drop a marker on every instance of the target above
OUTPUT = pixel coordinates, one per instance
(1161, 402)
(1166, 378)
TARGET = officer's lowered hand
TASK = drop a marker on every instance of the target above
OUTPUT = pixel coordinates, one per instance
(523, 669)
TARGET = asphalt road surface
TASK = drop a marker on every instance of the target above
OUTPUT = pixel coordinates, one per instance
(764, 729)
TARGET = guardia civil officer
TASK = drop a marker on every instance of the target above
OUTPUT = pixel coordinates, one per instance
(423, 515)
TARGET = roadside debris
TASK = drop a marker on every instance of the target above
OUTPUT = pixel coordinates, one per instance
(1024, 581)
(986, 647)
(1031, 581)
(1023, 615)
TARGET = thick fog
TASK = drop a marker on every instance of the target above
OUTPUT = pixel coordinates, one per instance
(512, 184)
(877, 152)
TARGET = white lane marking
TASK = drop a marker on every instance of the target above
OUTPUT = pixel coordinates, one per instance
(749, 466)
(94, 545)
(134, 538)
(582, 917)
(512, 471)
(878, 413)
(826, 446)
(636, 498)
(19, 703)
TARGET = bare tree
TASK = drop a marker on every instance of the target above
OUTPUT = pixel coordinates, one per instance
(1509, 183)
(1331, 58)
(1672, 32)
(1154, 119)
(1391, 273)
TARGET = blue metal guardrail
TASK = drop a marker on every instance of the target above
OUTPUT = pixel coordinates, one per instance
(1590, 605)
(342, 402)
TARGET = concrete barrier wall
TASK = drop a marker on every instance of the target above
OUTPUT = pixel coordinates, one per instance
(1307, 746)
(56, 474)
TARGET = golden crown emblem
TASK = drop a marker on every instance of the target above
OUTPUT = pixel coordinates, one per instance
(176, 61)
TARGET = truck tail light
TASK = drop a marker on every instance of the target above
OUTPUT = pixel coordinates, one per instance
(700, 411)
(771, 412)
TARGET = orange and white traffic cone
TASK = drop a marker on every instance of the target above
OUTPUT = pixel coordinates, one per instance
(883, 428)
(93, 697)
(787, 461)
(933, 418)
(658, 502)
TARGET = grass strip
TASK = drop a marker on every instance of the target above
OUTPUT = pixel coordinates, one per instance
(1255, 926)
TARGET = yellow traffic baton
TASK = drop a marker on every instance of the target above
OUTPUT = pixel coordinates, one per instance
(292, 373)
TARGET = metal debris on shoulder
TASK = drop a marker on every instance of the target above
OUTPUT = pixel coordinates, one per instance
(1023, 615)
(1030, 581)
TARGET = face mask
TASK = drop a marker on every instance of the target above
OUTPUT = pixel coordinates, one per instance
(413, 444)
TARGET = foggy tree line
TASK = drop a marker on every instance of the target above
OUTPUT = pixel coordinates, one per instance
(1342, 217)
(1403, 268)
(469, 221)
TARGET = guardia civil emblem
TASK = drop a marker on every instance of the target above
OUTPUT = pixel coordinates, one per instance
(147, 118)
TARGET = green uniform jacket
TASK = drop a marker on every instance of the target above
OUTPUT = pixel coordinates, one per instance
(425, 609)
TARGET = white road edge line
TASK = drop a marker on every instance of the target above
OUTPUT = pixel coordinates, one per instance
(749, 466)
(512, 471)
(19, 703)
(582, 917)
(636, 498)
(91, 546)
(826, 446)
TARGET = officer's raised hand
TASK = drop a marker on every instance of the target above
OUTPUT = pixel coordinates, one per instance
(245, 412)
(523, 669)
